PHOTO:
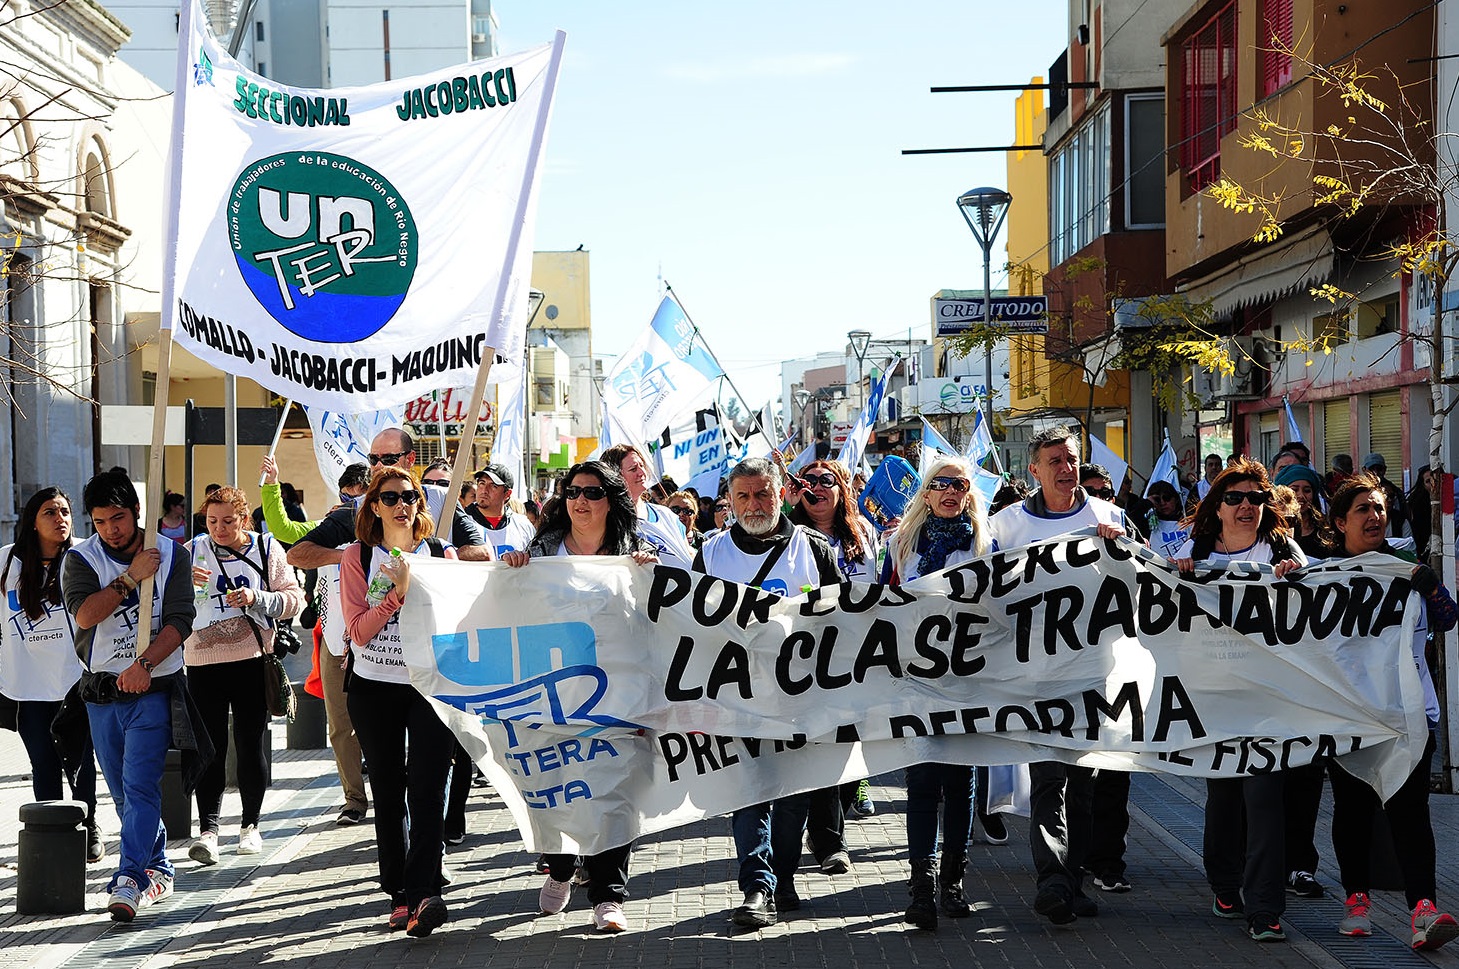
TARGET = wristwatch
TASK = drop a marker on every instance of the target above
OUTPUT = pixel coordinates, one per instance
(146, 664)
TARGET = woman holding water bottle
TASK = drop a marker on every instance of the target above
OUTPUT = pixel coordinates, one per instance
(242, 585)
(407, 747)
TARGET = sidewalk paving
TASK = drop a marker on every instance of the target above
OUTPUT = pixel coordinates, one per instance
(310, 900)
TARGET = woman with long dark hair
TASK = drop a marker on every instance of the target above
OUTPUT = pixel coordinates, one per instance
(1358, 517)
(591, 514)
(1238, 521)
(38, 661)
(406, 745)
(943, 526)
(829, 506)
(244, 588)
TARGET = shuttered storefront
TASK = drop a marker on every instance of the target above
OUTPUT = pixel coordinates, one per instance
(1336, 431)
(1385, 431)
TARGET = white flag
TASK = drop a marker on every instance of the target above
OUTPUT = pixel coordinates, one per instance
(933, 445)
(1166, 469)
(343, 439)
(855, 446)
(353, 248)
(661, 376)
(506, 448)
(1117, 467)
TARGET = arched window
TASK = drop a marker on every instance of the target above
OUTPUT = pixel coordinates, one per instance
(17, 147)
(96, 184)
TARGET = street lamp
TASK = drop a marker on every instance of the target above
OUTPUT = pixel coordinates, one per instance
(860, 340)
(985, 209)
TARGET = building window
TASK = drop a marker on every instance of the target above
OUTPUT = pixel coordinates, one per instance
(1275, 44)
(1079, 179)
(1144, 161)
(1208, 96)
(258, 30)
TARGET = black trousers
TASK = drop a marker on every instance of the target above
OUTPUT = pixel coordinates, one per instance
(607, 873)
(825, 824)
(408, 751)
(463, 769)
(1111, 807)
(1060, 821)
(1244, 842)
(1303, 790)
(1354, 805)
(217, 689)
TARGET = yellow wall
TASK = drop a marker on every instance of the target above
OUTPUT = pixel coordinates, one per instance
(563, 278)
(1028, 242)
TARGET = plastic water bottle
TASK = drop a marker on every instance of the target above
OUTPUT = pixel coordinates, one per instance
(380, 584)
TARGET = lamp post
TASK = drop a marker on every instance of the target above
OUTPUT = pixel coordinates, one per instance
(535, 298)
(985, 209)
(860, 340)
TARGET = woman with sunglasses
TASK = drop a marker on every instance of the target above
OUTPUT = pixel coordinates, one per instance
(1238, 521)
(655, 525)
(686, 508)
(243, 586)
(592, 515)
(38, 662)
(827, 504)
(943, 526)
(1358, 517)
(407, 748)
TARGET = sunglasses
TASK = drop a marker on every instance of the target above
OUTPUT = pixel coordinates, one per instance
(959, 485)
(1105, 493)
(682, 511)
(591, 492)
(1257, 498)
(392, 498)
(824, 480)
(386, 459)
(440, 482)
(721, 507)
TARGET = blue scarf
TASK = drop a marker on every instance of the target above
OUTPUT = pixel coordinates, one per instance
(942, 536)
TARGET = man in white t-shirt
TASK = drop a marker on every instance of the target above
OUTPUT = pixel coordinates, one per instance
(505, 530)
(1060, 797)
(1214, 466)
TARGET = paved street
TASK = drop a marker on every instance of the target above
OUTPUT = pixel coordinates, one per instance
(309, 900)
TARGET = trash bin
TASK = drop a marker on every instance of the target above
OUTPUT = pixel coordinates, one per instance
(51, 866)
(307, 732)
(177, 807)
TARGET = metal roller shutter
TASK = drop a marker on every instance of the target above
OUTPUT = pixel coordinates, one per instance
(1385, 431)
(1337, 432)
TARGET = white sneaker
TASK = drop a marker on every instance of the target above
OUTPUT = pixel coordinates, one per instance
(250, 842)
(161, 887)
(554, 895)
(609, 917)
(125, 899)
(204, 851)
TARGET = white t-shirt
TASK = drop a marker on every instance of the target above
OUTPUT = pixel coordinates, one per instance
(114, 641)
(1260, 553)
(514, 535)
(1016, 525)
(869, 568)
(1167, 537)
(38, 660)
(793, 570)
(383, 658)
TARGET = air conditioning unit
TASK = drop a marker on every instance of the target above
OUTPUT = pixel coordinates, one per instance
(478, 38)
(1243, 382)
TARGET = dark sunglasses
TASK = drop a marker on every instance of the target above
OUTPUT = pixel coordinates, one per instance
(441, 482)
(824, 480)
(1234, 498)
(942, 484)
(1105, 493)
(386, 459)
(721, 507)
(591, 492)
(392, 498)
(682, 511)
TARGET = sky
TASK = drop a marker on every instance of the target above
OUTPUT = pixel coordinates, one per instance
(749, 155)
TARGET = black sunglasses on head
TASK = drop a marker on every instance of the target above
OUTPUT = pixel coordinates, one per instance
(386, 459)
(591, 492)
(1234, 498)
(392, 498)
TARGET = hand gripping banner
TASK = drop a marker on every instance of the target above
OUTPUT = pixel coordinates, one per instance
(608, 700)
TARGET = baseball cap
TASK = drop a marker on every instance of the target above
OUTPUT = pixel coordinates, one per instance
(497, 474)
(1375, 460)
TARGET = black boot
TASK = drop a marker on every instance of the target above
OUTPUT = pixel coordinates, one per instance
(950, 880)
(923, 910)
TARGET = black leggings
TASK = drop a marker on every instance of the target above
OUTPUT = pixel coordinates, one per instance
(216, 689)
(1354, 805)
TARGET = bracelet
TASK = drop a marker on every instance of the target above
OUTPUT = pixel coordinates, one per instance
(127, 580)
(119, 587)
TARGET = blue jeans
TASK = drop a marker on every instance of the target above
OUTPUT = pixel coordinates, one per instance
(768, 842)
(131, 739)
(46, 768)
(928, 784)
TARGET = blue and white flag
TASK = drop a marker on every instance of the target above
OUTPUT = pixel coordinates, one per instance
(661, 376)
(344, 439)
(1166, 468)
(855, 445)
(692, 452)
(1117, 467)
(986, 484)
(511, 414)
(933, 444)
(803, 459)
(1292, 428)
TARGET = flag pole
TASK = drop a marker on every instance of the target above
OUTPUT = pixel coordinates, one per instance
(759, 425)
(278, 432)
(509, 260)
